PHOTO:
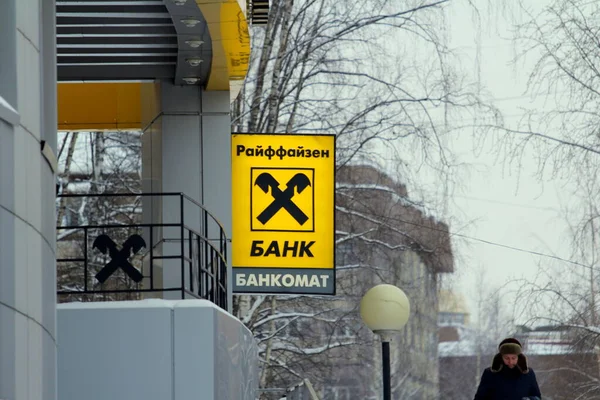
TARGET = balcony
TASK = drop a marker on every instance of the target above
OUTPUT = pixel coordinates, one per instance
(128, 246)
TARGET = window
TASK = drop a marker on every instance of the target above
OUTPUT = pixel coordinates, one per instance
(346, 254)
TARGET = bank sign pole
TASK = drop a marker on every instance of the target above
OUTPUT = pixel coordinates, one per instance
(283, 238)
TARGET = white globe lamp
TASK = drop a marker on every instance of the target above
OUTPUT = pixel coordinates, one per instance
(385, 310)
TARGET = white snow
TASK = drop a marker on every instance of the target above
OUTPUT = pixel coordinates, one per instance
(292, 315)
(404, 201)
(537, 343)
(378, 222)
(311, 350)
(137, 304)
(543, 349)
(467, 348)
(80, 187)
(461, 348)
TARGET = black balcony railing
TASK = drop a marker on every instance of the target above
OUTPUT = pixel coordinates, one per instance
(110, 247)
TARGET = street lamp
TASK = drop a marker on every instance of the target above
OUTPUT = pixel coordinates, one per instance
(385, 309)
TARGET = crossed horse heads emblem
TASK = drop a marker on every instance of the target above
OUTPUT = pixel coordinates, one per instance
(282, 198)
(119, 258)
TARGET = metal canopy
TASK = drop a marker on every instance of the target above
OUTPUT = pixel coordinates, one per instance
(104, 40)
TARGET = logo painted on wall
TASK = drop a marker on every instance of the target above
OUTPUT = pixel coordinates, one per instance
(119, 258)
(282, 199)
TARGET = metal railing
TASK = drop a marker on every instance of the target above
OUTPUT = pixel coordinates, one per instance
(301, 391)
(110, 247)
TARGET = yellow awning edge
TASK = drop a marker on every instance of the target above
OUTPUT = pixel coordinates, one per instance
(99, 106)
(230, 36)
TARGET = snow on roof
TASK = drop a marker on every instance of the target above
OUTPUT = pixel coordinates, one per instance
(404, 201)
(467, 348)
(469, 344)
(144, 303)
(80, 187)
(391, 171)
(461, 348)
(545, 349)
(539, 344)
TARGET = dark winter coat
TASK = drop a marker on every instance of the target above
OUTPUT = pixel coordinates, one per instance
(502, 383)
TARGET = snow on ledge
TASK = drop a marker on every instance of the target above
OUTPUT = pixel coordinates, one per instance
(141, 304)
(404, 201)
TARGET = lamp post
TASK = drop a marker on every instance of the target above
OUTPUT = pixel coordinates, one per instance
(385, 309)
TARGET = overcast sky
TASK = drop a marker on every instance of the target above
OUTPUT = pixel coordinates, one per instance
(499, 203)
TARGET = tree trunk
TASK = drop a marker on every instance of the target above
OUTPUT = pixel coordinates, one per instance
(266, 372)
(66, 175)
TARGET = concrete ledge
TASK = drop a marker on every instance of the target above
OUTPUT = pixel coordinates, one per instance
(154, 350)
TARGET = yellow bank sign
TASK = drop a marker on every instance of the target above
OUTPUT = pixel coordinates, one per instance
(283, 213)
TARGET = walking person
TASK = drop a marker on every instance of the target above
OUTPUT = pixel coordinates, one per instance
(509, 377)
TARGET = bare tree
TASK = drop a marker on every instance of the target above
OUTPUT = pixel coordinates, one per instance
(377, 74)
(95, 165)
(322, 338)
(559, 44)
(560, 317)
(563, 299)
(325, 66)
(322, 66)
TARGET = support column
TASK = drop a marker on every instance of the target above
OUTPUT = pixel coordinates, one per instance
(186, 149)
(216, 164)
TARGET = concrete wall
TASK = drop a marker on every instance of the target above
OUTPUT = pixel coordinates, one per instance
(27, 231)
(154, 350)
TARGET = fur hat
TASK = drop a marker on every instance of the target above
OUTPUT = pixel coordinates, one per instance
(510, 346)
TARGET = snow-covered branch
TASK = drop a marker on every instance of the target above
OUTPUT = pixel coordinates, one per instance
(279, 316)
(382, 223)
(280, 346)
